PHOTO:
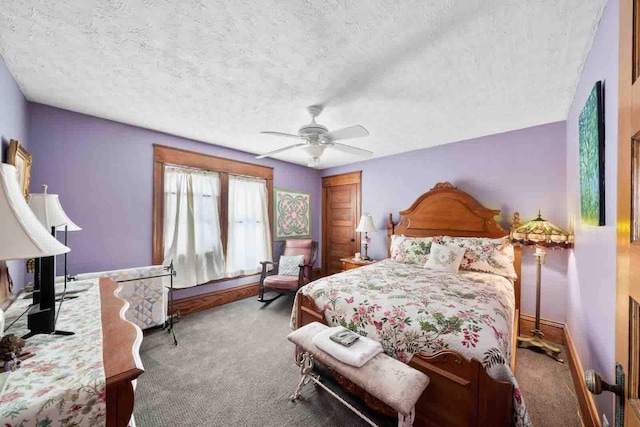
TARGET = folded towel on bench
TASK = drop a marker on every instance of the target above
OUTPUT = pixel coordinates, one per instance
(359, 353)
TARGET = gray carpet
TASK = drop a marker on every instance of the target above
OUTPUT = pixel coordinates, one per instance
(233, 367)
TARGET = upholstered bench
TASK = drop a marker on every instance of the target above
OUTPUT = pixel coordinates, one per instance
(389, 380)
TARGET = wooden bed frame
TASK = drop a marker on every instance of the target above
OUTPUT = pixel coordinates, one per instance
(461, 393)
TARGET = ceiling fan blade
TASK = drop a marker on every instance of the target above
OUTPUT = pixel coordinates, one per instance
(356, 131)
(349, 149)
(288, 135)
(271, 153)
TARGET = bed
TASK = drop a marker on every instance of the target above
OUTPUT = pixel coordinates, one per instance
(472, 381)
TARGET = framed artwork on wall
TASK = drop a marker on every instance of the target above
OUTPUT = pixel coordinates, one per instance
(591, 157)
(19, 157)
(292, 214)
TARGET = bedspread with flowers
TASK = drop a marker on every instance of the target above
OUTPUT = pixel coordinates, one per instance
(64, 384)
(410, 309)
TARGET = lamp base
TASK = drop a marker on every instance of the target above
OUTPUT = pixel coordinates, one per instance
(536, 342)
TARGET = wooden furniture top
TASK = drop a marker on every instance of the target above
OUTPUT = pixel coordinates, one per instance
(118, 335)
(357, 262)
(446, 211)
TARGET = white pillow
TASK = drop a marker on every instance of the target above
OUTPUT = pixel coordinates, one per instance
(290, 265)
(445, 258)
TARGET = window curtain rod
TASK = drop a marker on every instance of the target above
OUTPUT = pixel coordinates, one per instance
(194, 169)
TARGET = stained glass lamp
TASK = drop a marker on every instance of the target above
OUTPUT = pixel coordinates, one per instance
(542, 234)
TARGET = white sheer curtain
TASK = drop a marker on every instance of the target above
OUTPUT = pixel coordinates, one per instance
(249, 238)
(192, 225)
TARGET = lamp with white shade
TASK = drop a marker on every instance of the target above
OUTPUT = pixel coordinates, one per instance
(48, 210)
(22, 236)
(365, 226)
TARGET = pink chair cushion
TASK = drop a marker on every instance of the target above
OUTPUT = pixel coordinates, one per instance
(281, 282)
(299, 247)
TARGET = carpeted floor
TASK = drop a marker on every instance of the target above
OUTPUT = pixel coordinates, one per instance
(233, 367)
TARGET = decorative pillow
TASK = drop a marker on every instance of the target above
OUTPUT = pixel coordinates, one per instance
(290, 265)
(486, 255)
(411, 250)
(445, 258)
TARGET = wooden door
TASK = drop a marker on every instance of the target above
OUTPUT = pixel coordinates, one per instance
(628, 222)
(340, 216)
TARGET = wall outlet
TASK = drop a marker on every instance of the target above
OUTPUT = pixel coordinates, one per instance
(605, 421)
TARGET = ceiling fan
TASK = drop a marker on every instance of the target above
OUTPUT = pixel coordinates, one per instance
(318, 138)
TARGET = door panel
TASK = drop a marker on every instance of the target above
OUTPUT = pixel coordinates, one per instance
(340, 216)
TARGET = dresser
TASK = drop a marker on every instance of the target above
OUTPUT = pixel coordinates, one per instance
(83, 379)
(121, 354)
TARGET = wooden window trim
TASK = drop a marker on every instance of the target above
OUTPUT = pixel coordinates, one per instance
(175, 156)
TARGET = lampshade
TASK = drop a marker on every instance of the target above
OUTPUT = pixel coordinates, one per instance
(21, 233)
(49, 211)
(541, 232)
(366, 224)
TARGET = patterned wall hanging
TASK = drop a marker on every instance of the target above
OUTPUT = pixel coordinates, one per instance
(591, 143)
(292, 216)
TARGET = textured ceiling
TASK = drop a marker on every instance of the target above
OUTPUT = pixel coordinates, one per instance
(414, 73)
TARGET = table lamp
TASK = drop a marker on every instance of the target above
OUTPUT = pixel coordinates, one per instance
(366, 226)
(22, 236)
(49, 212)
(542, 234)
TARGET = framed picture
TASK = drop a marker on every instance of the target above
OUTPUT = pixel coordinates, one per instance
(292, 214)
(19, 157)
(591, 142)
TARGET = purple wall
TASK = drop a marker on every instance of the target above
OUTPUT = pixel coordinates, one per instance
(522, 171)
(592, 265)
(13, 125)
(103, 171)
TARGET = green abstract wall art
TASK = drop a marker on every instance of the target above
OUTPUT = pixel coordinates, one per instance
(591, 141)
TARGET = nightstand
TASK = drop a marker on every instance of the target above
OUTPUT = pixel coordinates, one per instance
(351, 263)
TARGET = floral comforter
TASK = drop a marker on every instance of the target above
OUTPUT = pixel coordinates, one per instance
(64, 383)
(410, 309)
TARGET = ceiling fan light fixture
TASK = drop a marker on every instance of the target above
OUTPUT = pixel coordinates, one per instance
(314, 150)
(313, 162)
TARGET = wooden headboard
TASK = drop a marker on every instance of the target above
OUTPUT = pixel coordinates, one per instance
(446, 211)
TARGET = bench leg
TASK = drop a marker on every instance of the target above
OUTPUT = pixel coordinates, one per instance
(305, 362)
(408, 420)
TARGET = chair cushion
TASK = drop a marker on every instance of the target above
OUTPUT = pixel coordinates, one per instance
(299, 247)
(281, 282)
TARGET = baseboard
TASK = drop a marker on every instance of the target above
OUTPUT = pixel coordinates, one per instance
(214, 299)
(588, 408)
(553, 331)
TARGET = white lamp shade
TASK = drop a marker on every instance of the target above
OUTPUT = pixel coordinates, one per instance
(22, 235)
(366, 224)
(48, 210)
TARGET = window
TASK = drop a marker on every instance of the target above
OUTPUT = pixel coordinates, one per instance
(211, 216)
(249, 237)
(192, 238)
